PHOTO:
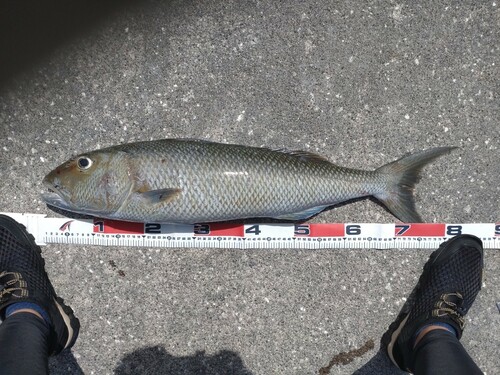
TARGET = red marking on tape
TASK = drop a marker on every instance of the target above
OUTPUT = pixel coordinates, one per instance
(116, 227)
(66, 226)
(327, 230)
(420, 230)
(220, 230)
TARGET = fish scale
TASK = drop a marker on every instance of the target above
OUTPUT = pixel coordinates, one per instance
(234, 197)
(189, 181)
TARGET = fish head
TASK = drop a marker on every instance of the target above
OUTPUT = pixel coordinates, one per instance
(95, 183)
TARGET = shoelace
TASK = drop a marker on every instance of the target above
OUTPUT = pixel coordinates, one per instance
(450, 304)
(12, 284)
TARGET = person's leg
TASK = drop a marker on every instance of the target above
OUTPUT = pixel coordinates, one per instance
(35, 321)
(424, 339)
(440, 352)
(24, 348)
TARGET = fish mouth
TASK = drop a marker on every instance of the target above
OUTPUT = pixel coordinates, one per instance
(60, 198)
(57, 196)
(54, 199)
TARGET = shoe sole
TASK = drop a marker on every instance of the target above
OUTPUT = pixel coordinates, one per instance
(397, 326)
(70, 320)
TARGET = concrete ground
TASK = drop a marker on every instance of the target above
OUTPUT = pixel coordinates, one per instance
(360, 82)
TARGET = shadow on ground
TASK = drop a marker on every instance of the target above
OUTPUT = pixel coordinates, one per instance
(64, 363)
(378, 365)
(31, 30)
(156, 360)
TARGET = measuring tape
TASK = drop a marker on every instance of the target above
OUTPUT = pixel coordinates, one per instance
(105, 232)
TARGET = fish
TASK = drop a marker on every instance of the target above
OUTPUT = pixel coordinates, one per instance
(190, 181)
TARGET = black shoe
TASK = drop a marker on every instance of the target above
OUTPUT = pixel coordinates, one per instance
(448, 286)
(23, 279)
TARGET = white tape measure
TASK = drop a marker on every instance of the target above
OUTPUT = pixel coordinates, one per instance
(106, 232)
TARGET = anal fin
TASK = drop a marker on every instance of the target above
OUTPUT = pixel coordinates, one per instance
(301, 215)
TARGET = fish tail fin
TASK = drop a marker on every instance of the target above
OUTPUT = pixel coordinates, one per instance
(401, 177)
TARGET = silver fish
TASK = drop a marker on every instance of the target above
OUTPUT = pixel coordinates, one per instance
(193, 181)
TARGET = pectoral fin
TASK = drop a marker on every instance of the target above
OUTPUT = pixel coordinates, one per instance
(302, 214)
(159, 196)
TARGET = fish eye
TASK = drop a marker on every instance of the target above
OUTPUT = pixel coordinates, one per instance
(84, 162)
